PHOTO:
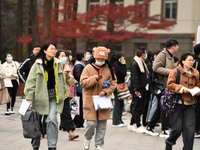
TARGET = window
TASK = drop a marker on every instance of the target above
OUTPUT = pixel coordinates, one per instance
(170, 9)
(117, 47)
(92, 3)
(139, 45)
(119, 2)
(144, 8)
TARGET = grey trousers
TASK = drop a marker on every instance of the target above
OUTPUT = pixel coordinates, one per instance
(100, 126)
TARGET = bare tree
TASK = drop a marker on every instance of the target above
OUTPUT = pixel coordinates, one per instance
(34, 22)
(19, 49)
(46, 20)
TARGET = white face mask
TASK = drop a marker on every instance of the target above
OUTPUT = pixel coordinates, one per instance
(87, 57)
(100, 63)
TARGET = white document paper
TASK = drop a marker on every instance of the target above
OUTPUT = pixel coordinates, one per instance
(102, 102)
(194, 91)
(24, 106)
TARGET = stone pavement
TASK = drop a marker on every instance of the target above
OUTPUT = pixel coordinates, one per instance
(11, 137)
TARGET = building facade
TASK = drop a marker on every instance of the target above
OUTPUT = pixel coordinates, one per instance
(184, 12)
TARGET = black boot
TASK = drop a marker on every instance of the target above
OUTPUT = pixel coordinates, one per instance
(36, 148)
(168, 146)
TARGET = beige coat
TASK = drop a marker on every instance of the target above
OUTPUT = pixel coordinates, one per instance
(8, 70)
(93, 87)
(163, 65)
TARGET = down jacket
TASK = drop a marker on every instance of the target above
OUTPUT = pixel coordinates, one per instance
(93, 87)
(187, 80)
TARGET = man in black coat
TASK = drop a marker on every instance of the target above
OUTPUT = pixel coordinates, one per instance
(25, 67)
(139, 87)
(196, 65)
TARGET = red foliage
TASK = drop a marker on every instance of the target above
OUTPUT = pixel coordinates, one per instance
(128, 22)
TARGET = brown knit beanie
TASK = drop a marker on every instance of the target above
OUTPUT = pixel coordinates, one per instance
(101, 52)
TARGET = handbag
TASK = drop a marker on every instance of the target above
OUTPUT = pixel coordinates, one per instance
(75, 105)
(4, 96)
(169, 99)
(123, 91)
(31, 124)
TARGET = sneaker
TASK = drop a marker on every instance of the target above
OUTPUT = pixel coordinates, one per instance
(197, 134)
(7, 112)
(151, 131)
(140, 129)
(119, 125)
(99, 148)
(132, 127)
(86, 145)
(164, 134)
(11, 111)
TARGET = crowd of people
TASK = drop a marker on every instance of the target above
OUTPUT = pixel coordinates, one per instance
(51, 78)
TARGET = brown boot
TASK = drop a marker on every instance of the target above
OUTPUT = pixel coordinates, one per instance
(72, 135)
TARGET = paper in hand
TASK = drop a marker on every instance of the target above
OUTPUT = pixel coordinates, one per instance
(194, 91)
(24, 107)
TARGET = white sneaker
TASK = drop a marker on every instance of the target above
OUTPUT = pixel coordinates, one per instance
(86, 145)
(151, 132)
(164, 134)
(197, 135)
(99, 148)
(140, 130)
(132, 127)
(119, 125)
(7, 112)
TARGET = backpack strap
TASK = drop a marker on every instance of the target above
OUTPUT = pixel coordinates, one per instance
(178, 82)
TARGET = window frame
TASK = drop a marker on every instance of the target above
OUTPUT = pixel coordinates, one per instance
(171, 2)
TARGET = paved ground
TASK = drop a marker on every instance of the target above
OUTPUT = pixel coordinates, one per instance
(11, 137)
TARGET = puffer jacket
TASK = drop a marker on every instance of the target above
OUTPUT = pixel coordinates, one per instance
(93, 87)
(187, 80)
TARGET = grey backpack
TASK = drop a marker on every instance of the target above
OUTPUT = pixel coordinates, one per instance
(31, 124)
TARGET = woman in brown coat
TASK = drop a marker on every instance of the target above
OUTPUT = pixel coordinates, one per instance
(92, 78)
(183, 118)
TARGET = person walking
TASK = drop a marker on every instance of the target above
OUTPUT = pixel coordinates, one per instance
(139, 80)
(78, 68)
(25, 67)
(93, 76)
(162, 66)
(183, 118)
(66, 123)
(11, 80)
(45, 89)
(119, 64)
(197, 108)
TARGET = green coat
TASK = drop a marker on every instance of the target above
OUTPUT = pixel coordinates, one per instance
(36, 88)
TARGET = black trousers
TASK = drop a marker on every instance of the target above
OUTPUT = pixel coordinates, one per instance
(78, 119)
(66, 120)
(197, 111)
(159, 112)
(12, 92)
(139, 107)
(117, 110)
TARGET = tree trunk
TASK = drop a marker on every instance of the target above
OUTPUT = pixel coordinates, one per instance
(34, 22)
(46, 20)
(74, 17)
(56, 5)
(19, 49)
(110, 27)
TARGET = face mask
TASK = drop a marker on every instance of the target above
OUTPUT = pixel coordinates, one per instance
(100, 63)
(63, 60)
(146, 56)
(87, 57)
(9, 58)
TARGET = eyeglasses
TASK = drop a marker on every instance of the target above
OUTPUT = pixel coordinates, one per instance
(191, 60)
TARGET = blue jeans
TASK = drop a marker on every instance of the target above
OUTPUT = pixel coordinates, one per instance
(51, 123)
(183, 121)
